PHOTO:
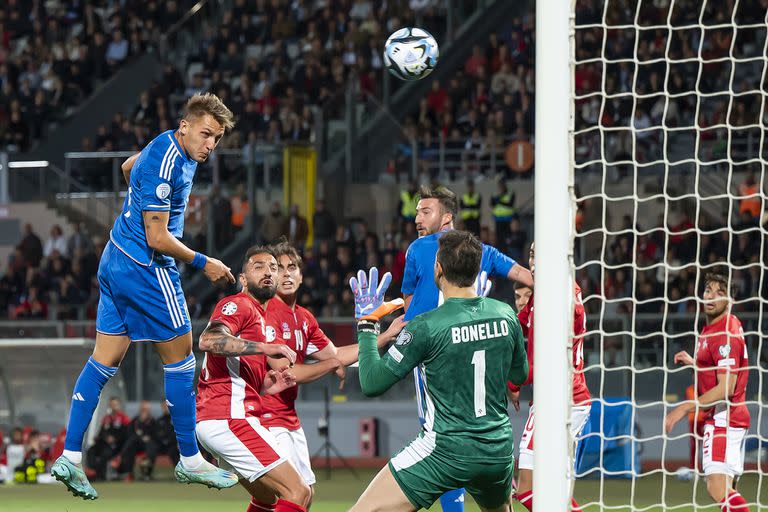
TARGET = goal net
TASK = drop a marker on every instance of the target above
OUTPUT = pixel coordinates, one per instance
(668, 159)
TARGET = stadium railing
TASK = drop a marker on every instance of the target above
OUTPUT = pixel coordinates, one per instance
(91, 184)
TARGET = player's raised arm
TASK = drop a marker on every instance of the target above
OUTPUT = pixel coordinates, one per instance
(521, 275)
(217, 339)
(376, 376)
(310, 372)
(161, 240)
(350, 354)
(504, 266)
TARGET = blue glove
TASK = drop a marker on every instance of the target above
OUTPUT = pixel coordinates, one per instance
(369, 295)
(483, 284)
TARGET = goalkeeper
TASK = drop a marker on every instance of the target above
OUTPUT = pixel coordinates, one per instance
(466, 350)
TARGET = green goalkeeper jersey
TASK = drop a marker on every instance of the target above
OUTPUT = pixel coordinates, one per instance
(466, 351)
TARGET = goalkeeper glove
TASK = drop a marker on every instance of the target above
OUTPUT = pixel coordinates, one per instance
(369, 295)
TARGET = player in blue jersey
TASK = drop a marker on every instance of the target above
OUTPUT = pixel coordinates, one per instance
(141, 296)
(435, 213)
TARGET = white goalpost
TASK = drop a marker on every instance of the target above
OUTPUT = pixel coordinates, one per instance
(553, 228)
(650, 173)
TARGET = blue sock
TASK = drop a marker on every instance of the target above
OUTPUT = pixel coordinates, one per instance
(453, 501)
(180, 395)
(85, 398)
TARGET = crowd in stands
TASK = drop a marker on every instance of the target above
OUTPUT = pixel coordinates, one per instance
(647, 94)
(60, 271)
(25, 454)
(54, 53)
(122, 445)
(276, 63)
(121, 440)
(479, 110)
(273, 63)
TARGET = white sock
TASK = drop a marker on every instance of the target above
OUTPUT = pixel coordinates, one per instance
(192, 462)
(73, 457)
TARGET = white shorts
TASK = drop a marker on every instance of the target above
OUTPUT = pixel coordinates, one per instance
(723, 450)
(241, 445)
(579, 417)
(293, 444)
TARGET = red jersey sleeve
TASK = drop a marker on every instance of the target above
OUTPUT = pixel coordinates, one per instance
(523, 317)
(234, 312)
(727, 351)
(316, 338)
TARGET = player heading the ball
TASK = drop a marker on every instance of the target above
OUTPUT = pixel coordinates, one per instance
(140, 290)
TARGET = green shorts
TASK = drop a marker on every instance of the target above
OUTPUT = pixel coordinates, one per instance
(425, 473)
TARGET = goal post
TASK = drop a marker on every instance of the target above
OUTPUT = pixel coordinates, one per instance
(553, 236)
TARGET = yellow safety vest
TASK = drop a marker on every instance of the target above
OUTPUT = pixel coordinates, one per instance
(504, 208)
(470, 206)
(408, 209)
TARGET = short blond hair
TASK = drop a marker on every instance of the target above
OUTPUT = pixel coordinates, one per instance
(208, 103)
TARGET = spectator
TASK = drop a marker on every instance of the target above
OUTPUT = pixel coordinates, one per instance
(56, 242)
(409, 199)
(34, 460)
(141, 438)
(166, 436)
(32, 305)
(323, 223)
(117, 50)
(476, 62)
(503, 209)
(110, 439)
(239, 208)
(31, 247)
(79, 241)
(437, 98)
(751, 201)
(295, 228)
(273, 223)
(222, 218)
(470, 209)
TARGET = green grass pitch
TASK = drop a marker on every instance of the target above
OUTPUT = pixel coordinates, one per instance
(334, 495)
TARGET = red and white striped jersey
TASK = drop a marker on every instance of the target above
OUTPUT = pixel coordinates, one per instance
(229, 386)
(297, 328)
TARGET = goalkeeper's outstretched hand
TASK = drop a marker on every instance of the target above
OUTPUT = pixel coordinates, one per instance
(369, 295)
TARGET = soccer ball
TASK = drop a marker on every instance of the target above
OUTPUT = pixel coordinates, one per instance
(411, 53)
(684, 474)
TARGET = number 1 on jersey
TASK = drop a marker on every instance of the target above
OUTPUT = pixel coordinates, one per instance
(478, 361)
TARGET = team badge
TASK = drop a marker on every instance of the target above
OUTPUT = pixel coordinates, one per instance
(230, 308)
(163, 190)
(305, 327)
(724, 350)
(270, 334)
(286, 331)
(403, 338)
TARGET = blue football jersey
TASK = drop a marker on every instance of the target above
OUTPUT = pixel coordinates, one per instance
(161, 180)
(419, 280)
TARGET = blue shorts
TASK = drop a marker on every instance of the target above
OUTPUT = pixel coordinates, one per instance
(143, 303)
